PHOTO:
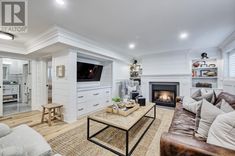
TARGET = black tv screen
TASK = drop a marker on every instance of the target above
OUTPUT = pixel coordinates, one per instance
(88, 72)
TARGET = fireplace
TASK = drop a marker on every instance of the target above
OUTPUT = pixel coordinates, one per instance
(164, 93)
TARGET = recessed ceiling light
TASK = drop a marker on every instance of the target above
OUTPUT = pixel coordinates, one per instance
(131, 46)
(6, 36)
(60, 2)
(183, 35)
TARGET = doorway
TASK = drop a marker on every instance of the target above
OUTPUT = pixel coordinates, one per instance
(16, 86)
(49, 80)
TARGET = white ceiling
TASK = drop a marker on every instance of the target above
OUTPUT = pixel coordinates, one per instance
(154, 25)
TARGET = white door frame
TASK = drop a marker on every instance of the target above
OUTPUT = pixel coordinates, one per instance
(1, 88)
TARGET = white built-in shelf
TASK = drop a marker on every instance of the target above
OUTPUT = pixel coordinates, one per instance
(205, 88)
(199, 76)
(214, 77)
(200, 68)
(209, 59)
(135, 77)
(10, 100)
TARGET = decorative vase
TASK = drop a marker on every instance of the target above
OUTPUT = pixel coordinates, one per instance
(196, 64)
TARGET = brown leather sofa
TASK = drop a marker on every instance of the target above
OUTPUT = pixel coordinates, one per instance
(180, 139)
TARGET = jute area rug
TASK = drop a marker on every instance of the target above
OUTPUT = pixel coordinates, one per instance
(75, 143)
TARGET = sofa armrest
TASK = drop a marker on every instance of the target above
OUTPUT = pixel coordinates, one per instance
(177, 145)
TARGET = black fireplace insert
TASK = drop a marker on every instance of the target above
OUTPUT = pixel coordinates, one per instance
(164, 93)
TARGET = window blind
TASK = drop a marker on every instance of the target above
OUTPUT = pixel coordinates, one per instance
(232, 64)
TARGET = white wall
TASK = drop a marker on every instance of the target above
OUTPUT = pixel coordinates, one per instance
(121, 71)
(175, 66)
(106, 76)
(176, 62)
(64, 89)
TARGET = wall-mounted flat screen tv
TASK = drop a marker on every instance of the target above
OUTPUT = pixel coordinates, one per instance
(88, 72)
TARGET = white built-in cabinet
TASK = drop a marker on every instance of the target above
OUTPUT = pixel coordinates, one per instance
(93, 99)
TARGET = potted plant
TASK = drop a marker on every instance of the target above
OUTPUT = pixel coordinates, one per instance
(116, 101)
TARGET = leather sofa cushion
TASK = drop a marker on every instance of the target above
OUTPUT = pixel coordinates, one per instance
(183, 122)
(227, 97)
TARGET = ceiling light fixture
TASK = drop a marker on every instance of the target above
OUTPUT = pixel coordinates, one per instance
(131, 46)
(183, 35)
(60, 2)
(6, 36)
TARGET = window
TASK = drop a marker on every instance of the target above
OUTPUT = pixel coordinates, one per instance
(232, 64)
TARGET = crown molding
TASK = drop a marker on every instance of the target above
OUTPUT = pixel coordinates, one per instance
(57, 35)
(63, 36)
(45, 39)
(77, 41)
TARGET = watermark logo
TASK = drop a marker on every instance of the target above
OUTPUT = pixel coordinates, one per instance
(14, 16)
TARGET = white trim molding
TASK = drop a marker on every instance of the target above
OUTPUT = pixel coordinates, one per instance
(57, 35)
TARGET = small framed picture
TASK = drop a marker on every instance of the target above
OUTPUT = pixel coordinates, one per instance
(60, 71)
(204, 73)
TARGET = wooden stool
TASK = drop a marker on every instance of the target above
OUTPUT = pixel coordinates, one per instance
(54, 112)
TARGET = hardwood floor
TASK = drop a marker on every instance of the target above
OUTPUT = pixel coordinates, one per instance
(33, 119)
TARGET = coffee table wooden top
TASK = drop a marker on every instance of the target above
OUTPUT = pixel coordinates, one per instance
(121, 121)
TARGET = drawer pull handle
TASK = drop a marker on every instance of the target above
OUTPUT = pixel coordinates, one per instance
(80, 96)
(96, 105)
(107, 91)
(107, 101)
(80, 109)
(96, 94)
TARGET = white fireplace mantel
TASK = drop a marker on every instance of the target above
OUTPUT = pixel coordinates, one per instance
(183, 79)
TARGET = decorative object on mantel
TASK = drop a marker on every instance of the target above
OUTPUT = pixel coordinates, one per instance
(60, 71)
(204, 55)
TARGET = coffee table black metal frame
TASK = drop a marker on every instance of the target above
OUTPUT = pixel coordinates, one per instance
(128, 153)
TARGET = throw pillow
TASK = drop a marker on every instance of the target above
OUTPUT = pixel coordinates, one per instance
(4, 130)
(13, 151)
(224, 106)
(206, 114)
(130, 89)
(196, 94)
(191, 104)
(204, 94)
(222, 131)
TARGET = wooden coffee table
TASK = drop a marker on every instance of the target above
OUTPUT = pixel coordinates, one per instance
(122, 123)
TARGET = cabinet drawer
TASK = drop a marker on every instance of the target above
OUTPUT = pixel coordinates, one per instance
(95, 105)
(107, 91)
(95, 94)
(81, 98)
(81, 111)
